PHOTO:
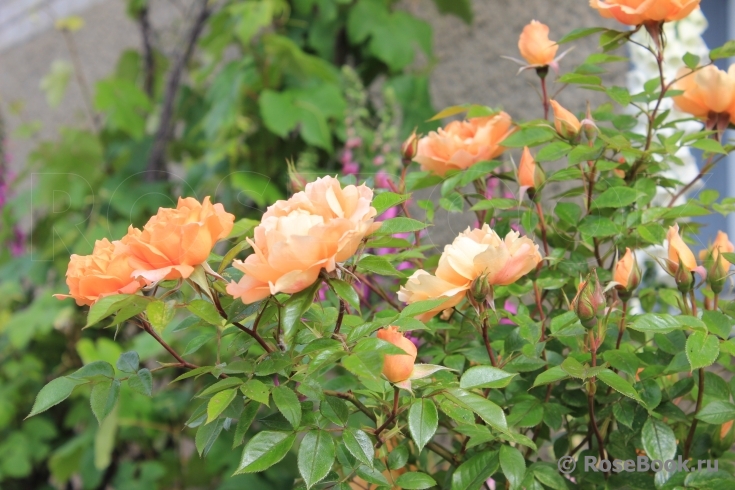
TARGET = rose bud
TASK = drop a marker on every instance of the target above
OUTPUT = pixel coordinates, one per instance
(397, 367)
(627, 274)
(716, 265)
(530, 175)
(566, 123)
(535, 46)
(681, 262)
(410, 147)
(589, 302)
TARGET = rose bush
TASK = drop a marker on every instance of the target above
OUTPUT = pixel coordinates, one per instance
(537, 334)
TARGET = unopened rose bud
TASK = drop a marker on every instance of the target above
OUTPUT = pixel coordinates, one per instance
(589, 127)
(684, 278)
(481, 289)
(627, 274)
(398, 367)
(589, 302)
(679, 255)
(714, 262)
(530, 175)
(409, 148)
(566, 123)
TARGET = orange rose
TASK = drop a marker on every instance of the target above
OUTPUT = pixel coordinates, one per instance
(566, 123)
(397, 367)
(105, 272)
(174, 241)
(678, 251)
(313, 230)
(637, 12)
(627, 273)
(719, 266)
(535, 46)
(463, 143)
(476, 253)
(708, 90)
(530, 175)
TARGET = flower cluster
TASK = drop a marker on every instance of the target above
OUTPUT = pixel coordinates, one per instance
(169, 246)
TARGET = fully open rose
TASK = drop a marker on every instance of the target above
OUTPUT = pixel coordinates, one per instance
(637, 12)
(297, 238)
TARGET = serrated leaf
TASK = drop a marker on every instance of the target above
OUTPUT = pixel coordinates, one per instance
(702, 349)
(473, 473)
(104, 398)
(128, 362)
(485, 377)
(243, 424)
(658, 440)
(141, 382)
(55, 392)
(551, 375)
(717, 412)
(346, 292)
(358, 443)
(316, 456)
(264, 450)
(415, 309)
(386, 200)
(93, 369)
(207, 435)
(513, 465)
(423, 420)
(415, 480)
(579, 34)
(378, 265)
(618, 384)
(288, 404)
(219, 402)
(400, 225)
(256, 390)
(492, 414)
(206, 311)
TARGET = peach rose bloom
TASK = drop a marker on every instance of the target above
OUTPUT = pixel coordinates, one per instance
(721, 244)
(678, 251)
(707, 90)
(527, 170)
(637, 12)
(463, 143)
(174, 241)
(105, 272)
(566, 123)
(397, 367)
(472, 254)
(627, 273)
(535, 46)
(313, 230)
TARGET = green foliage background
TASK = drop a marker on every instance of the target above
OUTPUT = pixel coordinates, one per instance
(266, 85)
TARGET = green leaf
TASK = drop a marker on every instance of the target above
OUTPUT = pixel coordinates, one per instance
(513, 465)
(294, 309)
(141, 382)
(207, 435)
(386, 200)
(415, 480)
(104, 398)
(485, 377)
(616, 197)
(709, 146)
(222, 384)
(568, 212)
(655, 323)
(264, 450)
(423, 420)
(573, 368)
(717, 412)
(551, 375)
(495, 203)
(93, 369)
(473, 473)
(727, 50)
(55, 392)
(246, 419)
(346, 292)
(206, 311)
(598, 227)
(579, 34)
(463, 10)
(690, 60)
(316, 456)
(658, 440)
(717, 323)
(415, 309)
(553, 151)
(400, 225)
(335, 410)
(702, 349)
(618, 384)
(160, 314)
(372, 475)
(378, 265)
(219, 402)
(128, 362)
(256, 390)
(358, 443)
(529, 137)
(288, 404)
(106, 306)
(492, 414)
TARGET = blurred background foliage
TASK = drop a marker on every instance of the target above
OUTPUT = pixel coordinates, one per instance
(331, 86)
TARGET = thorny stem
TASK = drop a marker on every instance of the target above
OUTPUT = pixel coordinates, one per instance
(545, 96)
(591, 400)
(487, 343)
(340, 315)
(147, 327)
(542, 223)
(394, 412)
(693, 302)
(693, 428)
(253, 333)
(621, 327)
(350, 397)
